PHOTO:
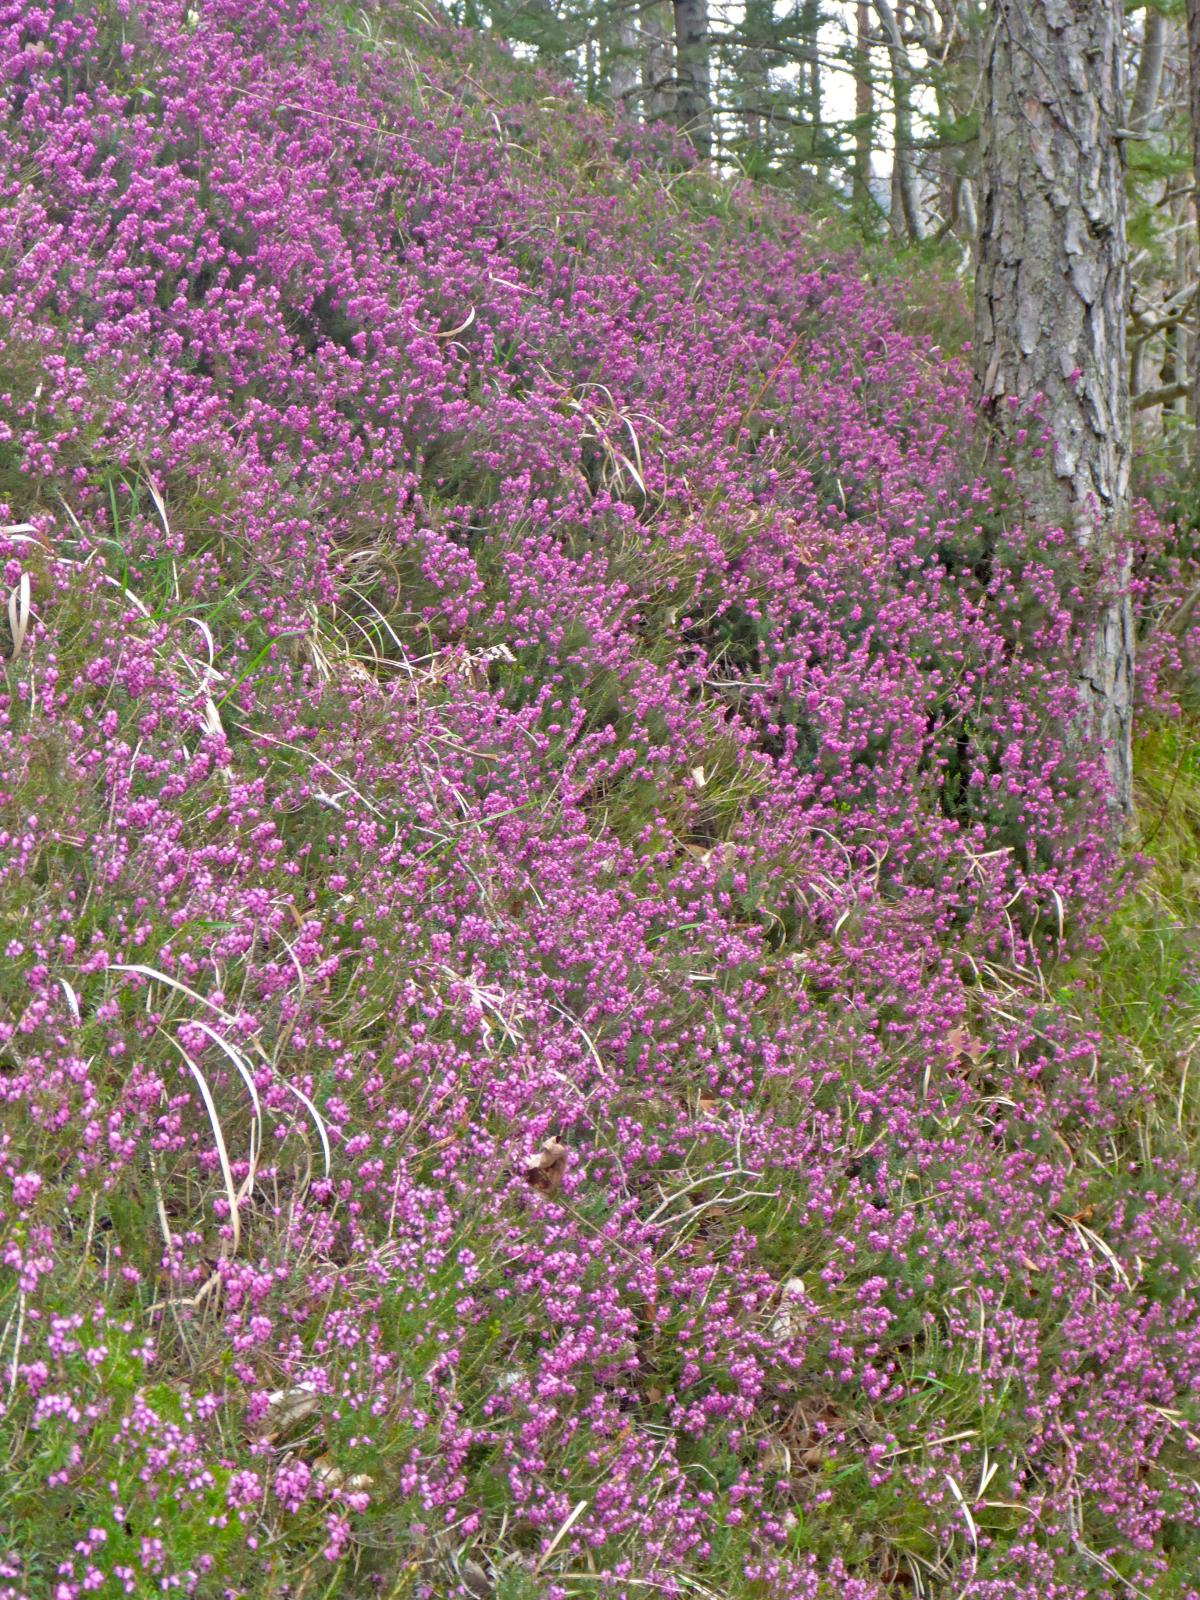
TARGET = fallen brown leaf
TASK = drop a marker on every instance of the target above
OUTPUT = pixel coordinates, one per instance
(546, 1168)
(960, 1044)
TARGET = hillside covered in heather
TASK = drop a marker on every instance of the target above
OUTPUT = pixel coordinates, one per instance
(548, 1025)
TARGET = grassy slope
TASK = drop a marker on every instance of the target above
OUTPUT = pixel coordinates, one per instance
(111, 1237)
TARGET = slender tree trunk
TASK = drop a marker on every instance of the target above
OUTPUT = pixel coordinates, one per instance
(1150, 70)
(864, 110)
(966, 207)
(1185, 255)
(626, 73)
(752, 69)
(810, 23)
(658, 63)
(692, 111)
(1050, 303)
(1193, 50)
(905, 185)
(1187, 272)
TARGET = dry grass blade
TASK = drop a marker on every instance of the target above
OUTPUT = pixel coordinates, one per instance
(966, 1512)
(19, 606)
(462, 327)
(929, 1444)
(1090, 1240)
(160, 1208)
(229, 1246)
(282, 744)
(72, 1000)
(210, 644)
(16, 1355)
(211, 718)
(572, 1518)
(158, 976)
(159, 505)
(318, 1122)
(242, 1067)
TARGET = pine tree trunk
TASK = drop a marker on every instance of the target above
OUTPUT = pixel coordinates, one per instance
(658, 63)
(754, 79)
(1193, 51)
(692, 74)
(810, 25)
(864, 110)
(1050, 303)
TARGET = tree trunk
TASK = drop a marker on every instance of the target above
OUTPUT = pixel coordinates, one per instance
(1149, 74)
(966, 207)
(626, 73)
(658, 69)
(810, 25)
(864, 111)
(1050, 302)
(757, 20)
(692, 74)
(905, 185)
(1193, 51)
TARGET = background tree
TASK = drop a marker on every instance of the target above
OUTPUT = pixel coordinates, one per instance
(825, 99)
(908, 216)
(692, 73)
(658, 61)
(1050, 303)
(1193, 56)
(864, 113)
(625, 64)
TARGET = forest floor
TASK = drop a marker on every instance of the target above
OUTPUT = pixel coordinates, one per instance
(570, 1022)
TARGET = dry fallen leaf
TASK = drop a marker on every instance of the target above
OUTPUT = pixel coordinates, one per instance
(287, 1407)
(960, 1044)
(791, 1317)
(331, 1475)
(546, 1168)
(475, 1579)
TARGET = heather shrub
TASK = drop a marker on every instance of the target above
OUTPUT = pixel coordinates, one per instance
(547, 1045)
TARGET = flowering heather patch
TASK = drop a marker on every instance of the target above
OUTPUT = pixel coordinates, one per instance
(539, 866)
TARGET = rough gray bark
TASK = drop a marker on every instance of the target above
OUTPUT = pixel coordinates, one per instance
(905, 182)
(1050, 301)
(692, 90)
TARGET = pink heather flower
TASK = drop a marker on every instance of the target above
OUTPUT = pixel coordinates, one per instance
(26, 1187)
